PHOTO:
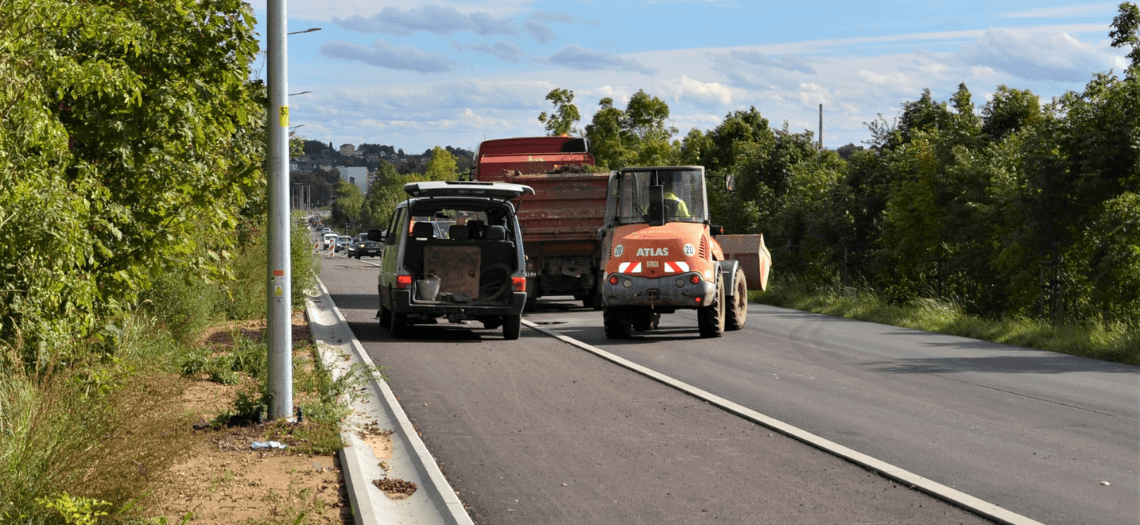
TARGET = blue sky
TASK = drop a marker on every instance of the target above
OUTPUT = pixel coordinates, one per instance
(417, 75)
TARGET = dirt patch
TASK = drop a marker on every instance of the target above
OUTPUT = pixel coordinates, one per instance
(223, 481)
(396, 489)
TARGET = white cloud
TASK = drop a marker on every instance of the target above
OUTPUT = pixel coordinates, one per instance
(1068, 11)
(503, 49)
(1056, 57)
(580, 58)
(703, 93)
(787, 62)
(539, 32)
(385, 55)
(437, 20)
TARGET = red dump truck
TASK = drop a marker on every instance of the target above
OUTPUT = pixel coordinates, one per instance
(560, 221)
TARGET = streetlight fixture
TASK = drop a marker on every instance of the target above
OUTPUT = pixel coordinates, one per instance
(301, 93)
(309, 30)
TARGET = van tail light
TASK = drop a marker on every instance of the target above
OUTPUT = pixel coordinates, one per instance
(519, 283)
(403, 281)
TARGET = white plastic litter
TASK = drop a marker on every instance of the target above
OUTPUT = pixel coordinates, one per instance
(259, 445)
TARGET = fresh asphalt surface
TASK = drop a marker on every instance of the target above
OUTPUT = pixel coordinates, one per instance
(537, 431)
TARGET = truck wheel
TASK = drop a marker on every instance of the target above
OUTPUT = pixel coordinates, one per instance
(710, 319)
(512, 326)
(645, 319)
(617, 322)
(399, 325)
(593, 299)
(738, 313)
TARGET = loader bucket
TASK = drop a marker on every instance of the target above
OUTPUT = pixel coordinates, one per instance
(754, 258)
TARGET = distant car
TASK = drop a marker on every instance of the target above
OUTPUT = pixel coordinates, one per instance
(342, 242)
(360, 248)
(476, 270)
(329, 239)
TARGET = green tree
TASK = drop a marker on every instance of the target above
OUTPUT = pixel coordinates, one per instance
(132, 140)
(386, 191)
(441, 166)
(1125, 26)
(610, 145)
(565, 115)
(1008, 111)
(634, 136)
(922, 115)
(739, 131)
(348, 206)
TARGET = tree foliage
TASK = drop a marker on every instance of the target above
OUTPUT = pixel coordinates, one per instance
(636, 136)
(565, 115)
(130, 139)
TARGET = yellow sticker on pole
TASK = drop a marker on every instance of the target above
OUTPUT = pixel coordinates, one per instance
(284, 111)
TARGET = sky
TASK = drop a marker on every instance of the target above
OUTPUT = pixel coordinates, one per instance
(454, 73)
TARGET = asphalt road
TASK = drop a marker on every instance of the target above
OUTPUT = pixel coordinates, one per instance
(511, 422)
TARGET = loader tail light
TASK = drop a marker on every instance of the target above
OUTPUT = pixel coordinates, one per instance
(519, 283)
(695, 279)
(613, 279)
(697, 299)
(403, 281)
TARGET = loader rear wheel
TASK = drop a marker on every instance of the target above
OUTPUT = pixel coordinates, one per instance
(618, 323)
(710, 319)
(738, 312)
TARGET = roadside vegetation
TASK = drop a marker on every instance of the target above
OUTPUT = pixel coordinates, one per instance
(1116, 342)
(131, 219)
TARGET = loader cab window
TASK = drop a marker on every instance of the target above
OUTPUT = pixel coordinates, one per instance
(684, 192)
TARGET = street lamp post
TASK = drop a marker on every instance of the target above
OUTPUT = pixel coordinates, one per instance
(279, 291)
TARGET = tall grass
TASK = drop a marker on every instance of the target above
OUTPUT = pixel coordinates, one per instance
(1117, 342)
(94, 425)
(92, 429)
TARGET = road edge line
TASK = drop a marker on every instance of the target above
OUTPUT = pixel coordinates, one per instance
(950, 495)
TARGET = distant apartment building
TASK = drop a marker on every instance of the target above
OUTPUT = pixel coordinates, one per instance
(355, 175)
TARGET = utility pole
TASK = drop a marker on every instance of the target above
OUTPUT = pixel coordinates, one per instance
(279, 291)
(821, 127)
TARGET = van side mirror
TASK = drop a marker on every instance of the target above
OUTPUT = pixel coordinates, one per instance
(716, 229)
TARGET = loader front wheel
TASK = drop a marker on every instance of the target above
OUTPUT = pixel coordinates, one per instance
(710, 319)
(738, 312)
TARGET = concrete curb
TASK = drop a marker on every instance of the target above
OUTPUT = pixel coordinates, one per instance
(914, 481)
(435, 501)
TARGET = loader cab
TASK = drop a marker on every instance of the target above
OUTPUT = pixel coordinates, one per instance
(657, 195)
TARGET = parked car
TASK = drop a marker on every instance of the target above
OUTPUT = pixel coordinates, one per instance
(477, 271)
